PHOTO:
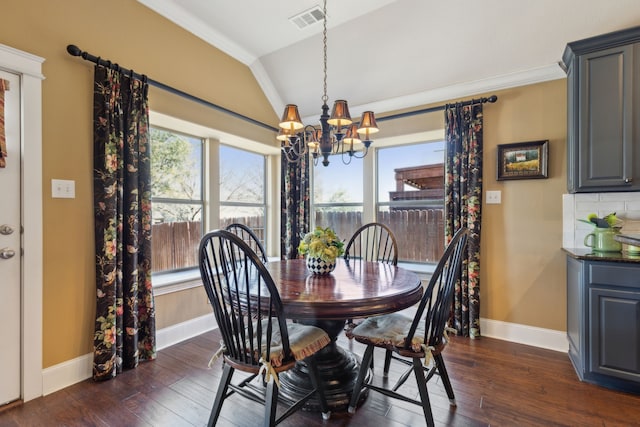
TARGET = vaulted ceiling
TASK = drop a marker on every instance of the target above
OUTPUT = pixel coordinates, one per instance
(385, 55)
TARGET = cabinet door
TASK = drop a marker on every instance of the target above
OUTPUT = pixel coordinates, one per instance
(614, 349)
(605, 131)
(575, 314)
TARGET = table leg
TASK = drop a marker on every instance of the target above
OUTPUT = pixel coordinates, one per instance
(338, 370)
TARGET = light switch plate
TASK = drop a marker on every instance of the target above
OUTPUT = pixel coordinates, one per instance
(493, 197)
(63, 189)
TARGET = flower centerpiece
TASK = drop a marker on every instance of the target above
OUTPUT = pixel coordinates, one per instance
(602, 238)
(321, 246)
(608, 221)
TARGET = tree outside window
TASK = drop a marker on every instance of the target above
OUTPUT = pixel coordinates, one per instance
(177, 199)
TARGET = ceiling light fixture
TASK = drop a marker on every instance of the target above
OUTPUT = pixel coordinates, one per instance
(297, 140)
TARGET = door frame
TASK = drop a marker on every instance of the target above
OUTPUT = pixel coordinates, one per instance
(29, 67)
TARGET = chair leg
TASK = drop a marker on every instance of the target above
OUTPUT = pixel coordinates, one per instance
(316, 382)
(444, 375)
(364, 366)
(270, 404)
(387, 363)
(227, 373)
(422, 387)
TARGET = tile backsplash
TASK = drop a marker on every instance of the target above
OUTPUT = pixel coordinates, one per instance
(579, 205)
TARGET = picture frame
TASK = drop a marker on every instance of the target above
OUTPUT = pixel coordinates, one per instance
(523, 160)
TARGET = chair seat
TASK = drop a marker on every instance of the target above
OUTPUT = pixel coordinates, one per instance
(304, 340)
(389, 331)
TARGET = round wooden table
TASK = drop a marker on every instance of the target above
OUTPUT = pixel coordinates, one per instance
(354, 289)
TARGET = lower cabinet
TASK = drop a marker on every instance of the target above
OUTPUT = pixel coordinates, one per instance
(603, 322)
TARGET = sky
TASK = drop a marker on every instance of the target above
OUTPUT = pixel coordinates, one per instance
(339, 177)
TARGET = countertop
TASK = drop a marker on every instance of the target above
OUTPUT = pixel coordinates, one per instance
(590, 255)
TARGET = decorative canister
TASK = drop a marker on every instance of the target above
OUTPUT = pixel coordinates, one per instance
(601, 240)
(319, 266)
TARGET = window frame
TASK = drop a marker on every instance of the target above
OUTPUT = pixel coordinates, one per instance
(183, 275)
(264, 205)
(166, 283)
(371, 204)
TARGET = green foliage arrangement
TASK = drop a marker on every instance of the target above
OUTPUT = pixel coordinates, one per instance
(608, 221)
(321, 243)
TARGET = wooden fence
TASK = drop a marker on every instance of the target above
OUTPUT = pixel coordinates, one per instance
(420, 235)
(175, 244)
(419, 232)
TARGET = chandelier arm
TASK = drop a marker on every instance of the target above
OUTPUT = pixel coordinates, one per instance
(350, 157)
(288, 157)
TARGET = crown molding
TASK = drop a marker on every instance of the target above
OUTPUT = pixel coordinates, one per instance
(462, 90)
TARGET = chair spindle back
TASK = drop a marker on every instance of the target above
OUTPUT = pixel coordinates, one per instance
(245, 300)
(373, 242)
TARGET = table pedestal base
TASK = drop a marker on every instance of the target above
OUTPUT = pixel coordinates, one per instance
(338, 370)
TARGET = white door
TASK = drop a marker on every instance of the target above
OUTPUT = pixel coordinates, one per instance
(10, 253)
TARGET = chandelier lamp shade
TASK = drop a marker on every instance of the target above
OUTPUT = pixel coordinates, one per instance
(337, 134)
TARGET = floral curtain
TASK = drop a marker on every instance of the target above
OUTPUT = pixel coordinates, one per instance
(4, 86)
(463, 206)
(294, 204)
(125, 314)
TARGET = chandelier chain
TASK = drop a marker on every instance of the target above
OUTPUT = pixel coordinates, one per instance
(325, 98)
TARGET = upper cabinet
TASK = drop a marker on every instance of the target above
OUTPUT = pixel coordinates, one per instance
(603, 129)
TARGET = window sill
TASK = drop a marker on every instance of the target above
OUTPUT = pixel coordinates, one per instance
(166, 283)
(424, 271)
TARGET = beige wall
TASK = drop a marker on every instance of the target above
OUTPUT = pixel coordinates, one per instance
(522, 277)
(130, 34)
(523, 272)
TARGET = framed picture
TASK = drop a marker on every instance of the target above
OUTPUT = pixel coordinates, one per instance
(523, 160)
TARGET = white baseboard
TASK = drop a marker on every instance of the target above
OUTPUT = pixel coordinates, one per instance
(523, 334)
(79, 369)
(171, 335)
(67, 373)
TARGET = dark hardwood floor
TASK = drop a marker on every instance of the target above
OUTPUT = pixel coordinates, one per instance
(497, 383)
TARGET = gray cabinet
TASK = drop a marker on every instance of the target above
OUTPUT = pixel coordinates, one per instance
(603, 322)
(603, 88)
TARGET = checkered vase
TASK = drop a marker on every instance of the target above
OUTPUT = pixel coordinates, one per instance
(318, 266)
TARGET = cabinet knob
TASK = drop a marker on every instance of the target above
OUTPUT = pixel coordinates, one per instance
(628, 180)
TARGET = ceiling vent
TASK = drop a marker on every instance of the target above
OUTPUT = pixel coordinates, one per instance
(308, 17)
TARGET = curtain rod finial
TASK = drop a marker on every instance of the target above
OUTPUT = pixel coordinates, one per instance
(492, 98)
(74, 50)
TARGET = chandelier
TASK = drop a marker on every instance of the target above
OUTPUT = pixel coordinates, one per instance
(337, 133)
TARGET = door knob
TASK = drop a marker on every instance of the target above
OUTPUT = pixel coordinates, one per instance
(7, 253)
(5, 229)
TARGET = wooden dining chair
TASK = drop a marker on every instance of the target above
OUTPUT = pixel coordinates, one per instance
(414, 337)
(257, 339)
(373, 242)
(249, 237)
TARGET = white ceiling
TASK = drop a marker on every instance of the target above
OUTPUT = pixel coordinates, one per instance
(390, 54)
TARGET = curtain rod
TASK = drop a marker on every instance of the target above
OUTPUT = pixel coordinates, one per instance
(74, 50)
(491, 99)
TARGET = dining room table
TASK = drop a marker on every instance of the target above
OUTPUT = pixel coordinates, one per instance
(355, 289)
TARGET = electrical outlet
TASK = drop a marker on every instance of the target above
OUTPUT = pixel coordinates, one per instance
(63, 189)
(494, 197)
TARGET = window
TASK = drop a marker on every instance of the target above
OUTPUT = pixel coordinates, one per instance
(242, 189)
(338, 196)
(410, 198)
(177, 199)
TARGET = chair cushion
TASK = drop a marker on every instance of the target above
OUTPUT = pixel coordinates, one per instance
(389, 330)
(304, 340)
